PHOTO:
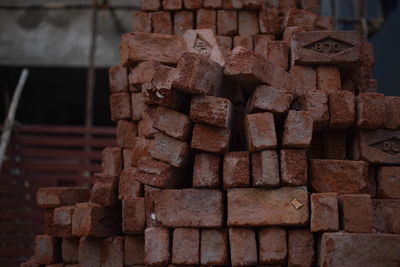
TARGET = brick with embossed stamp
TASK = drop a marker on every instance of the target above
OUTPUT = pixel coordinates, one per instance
(227, 22)
(214, 111)
(206, 19)
(183, 21)
(371, 110)
(341, 48)
(141, 21)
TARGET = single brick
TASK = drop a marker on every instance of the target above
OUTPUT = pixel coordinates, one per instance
(62, 218)
(118, 79)
(134, 250)
(232, 4)
(388, 182)
(214, 4)
(341, 176)
(111, 161)
(272, 245)
(142, 147)
(261, 41)
(150, 5)
(236, 169)
(386, 215)
(141, 21)
(324, 212)
(183, 21)
(149, 207)
(188, 207)
(300, 248)
(371, 110)
(133, 215)
(303, 79)
(89, 252)
(300, 17)
(197, 74)
(120, 106)
(248, 22)
(272, 99)
(298, 129)
(260, 131)
(225, 44)
(214, 111)
(243, 246)
(269, 21)
(138, 106)
(126, 133)
(356, 212)
(69, 250)
(316, 102)
(206, 170)
(293, 167)
(265, 207)
(392, 112)
(173, 123)
(214, 247)
(145, 126)
(47, 249)
(193, 4)
(48, 221)
(52, 197)
(278, 53)
(334, 145)
(94, 220)
(186, 246)
(245, 41)
(328, 78)
(227, 22)
(211, 139)
(156, 246)
(265, 169)
(137, 47)
(341, 109)
(161, 22)
(146, 72)
(325, 23)
(112, 251)
(206, 19)
(172, 4)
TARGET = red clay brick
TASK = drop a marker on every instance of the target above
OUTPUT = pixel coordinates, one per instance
(120, 106)
(289, 32)
(227, 22)
(253, 4)
(245, 41)
(298, 129)
(188, 207)
(183, 21)
(126, 133)
(386, 215)
(303, 79)
(316, 102)
(173, 123)
(341, 109)
(156, 246)
(267, 98)
(134, 250)
(214, 247)
(260, 131)
(265, 207)
(170, 150)
(328, 78)
(48, 221)
(47, 249)
(269, 21)
(300, 17)
(52, 197)
(278, 53)
(272, 245)
(112, 251)
(138, 106)
(325, 23)
(145, 126)
(293, 167)
(128, 187)
(286, 5)
(248, 22)
(150, 5)
(334, 145)
(214, 111)
(215, 4)
(142, 147)
(141, 21)
(260, 43)
(89, 252)
(63, 221)
(206, 170)
(186, 246)
(243, 246)
(161, 22)
(146, 72)
(392, 112)
(211, 139)
(371, 110)
(94, 220)
(300, 248)
(206, 19)
(137, 47)
(111, 161)
(356, 212)
(232, 4)
(133, 215)
(198, 74)
(162, 94)
(172, 4)
(388, 182)
(324, 212)
(193, 4)
(69, 250)
(236, 169)
(118, 79)
(225, 44)
(341, 176)
(265, 169)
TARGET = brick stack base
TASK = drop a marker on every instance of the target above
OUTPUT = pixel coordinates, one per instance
(284, 156)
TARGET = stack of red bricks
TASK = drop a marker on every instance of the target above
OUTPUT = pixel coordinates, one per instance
(284, 156)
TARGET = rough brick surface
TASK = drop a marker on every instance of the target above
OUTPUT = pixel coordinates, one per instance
(215, 111)
(334, 145)
(388, 180)
(210, 139)
(371, 109)
(356, 212)
(69, 250)
(206, 19)
(138, 106)
(341, 109)
(392, 112)
(112, 251)
(262, 207)
(111, 163)
(248, 22)
(245, 41)
(120, 106)
(206, 170)
(265, 169)
(272, 245)
(298, 129)
(172, 4)
(156, 246)
(243, 246)
(316, 102)
(261, 42)
(341, 176)
(141, 21)
(324, 212)
(278, 53)
(51, 197)
(89, 252)
(328, 78)
(118, 77)
(186, 246)
(62, 219)
(303, 79)
(227, 22)
(225, 44)
(272, 99)
(188, 208)
(260, 131)
(150, 5)
(300, 248)
(293, 167)
(133, 215)
(47, 249)
(236, 169)
(126, 133)
(128, 186)
(215, 4)
(134, 250)
(269, 21)
(193, 4)
(183, 21)
(232, 4)
(214, 247)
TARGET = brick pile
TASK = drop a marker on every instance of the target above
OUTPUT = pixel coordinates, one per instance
(278, 154)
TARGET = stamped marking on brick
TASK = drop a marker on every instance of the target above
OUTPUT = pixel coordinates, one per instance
(390, 146)
(201, 46)
(296, 204)
(328, 45)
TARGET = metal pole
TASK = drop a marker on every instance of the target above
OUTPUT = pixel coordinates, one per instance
(9, 122)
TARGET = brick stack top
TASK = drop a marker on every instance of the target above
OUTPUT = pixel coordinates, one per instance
(251, 156)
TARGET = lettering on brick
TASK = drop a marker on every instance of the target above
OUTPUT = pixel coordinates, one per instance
(390, 146)
(328, 46)
(201, 46)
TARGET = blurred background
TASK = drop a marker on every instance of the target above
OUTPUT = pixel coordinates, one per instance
(63, 112)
